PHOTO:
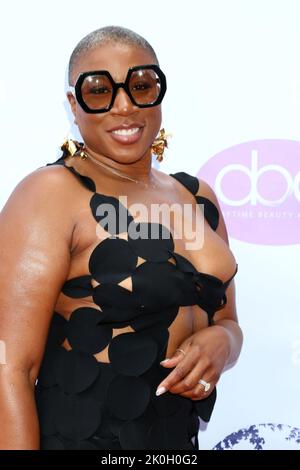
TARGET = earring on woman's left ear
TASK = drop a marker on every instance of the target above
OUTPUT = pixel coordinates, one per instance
(69, 146)
(159, 144)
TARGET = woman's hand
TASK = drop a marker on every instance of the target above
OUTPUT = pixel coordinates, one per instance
(206, 354)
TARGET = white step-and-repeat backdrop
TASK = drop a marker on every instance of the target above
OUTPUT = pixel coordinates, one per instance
(233, 107)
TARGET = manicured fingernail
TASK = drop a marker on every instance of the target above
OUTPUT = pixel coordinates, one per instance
(165, 360)
(160, 391)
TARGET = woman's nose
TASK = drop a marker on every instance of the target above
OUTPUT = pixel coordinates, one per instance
(123, 103)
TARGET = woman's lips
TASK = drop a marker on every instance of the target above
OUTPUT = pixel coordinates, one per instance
(127, 136)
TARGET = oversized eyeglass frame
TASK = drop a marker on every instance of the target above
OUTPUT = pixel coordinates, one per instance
(125, 85)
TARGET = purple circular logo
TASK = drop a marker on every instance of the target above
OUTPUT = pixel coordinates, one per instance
(258, 186)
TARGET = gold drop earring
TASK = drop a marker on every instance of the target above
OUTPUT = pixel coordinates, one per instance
(69, 147)
(159, 144)
(72, 147)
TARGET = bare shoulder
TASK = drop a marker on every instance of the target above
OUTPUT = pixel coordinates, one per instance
(43, 204)
(44, 187)
(204, 189)
(175, 183)
(163, 178)
(45, 179)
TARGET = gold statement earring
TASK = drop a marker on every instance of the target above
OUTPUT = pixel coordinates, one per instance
(72, 147)
(159, 144)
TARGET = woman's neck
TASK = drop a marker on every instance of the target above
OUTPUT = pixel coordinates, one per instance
(138, 171)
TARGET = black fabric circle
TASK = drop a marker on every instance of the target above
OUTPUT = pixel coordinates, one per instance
(163, 318)
(211, 212)
(132, 354)
(77, 418)
(190, 182)
(101, 444)
(118, 317)
(169, 432)
(110, 213)
(128, 397)
(110, 426)
(160, 336)
(84, 332)
(151, 241)
(156, 374)
(98, 389)
(69, 444)
(47, 374)
(76, 371)
(46, 401)
(51, 443)
(157, 285)
(168, 404)
(87, 445)
(113, 295)
(56, 334)
(133, 434)
(114, 425)
(112, 260)
(78, 287)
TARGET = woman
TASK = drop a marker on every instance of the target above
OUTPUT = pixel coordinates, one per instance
(115, 338)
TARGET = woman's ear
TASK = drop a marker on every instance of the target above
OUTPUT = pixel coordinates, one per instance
(73, 104)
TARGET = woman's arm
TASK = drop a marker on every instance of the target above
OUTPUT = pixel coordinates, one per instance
(35, 237)
(209, 350)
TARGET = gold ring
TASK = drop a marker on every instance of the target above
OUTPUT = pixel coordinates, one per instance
(181, 350)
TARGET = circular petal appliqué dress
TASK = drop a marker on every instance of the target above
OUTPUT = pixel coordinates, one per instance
(86, 404)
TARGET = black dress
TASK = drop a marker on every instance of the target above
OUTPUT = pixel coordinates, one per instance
(86, 404)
